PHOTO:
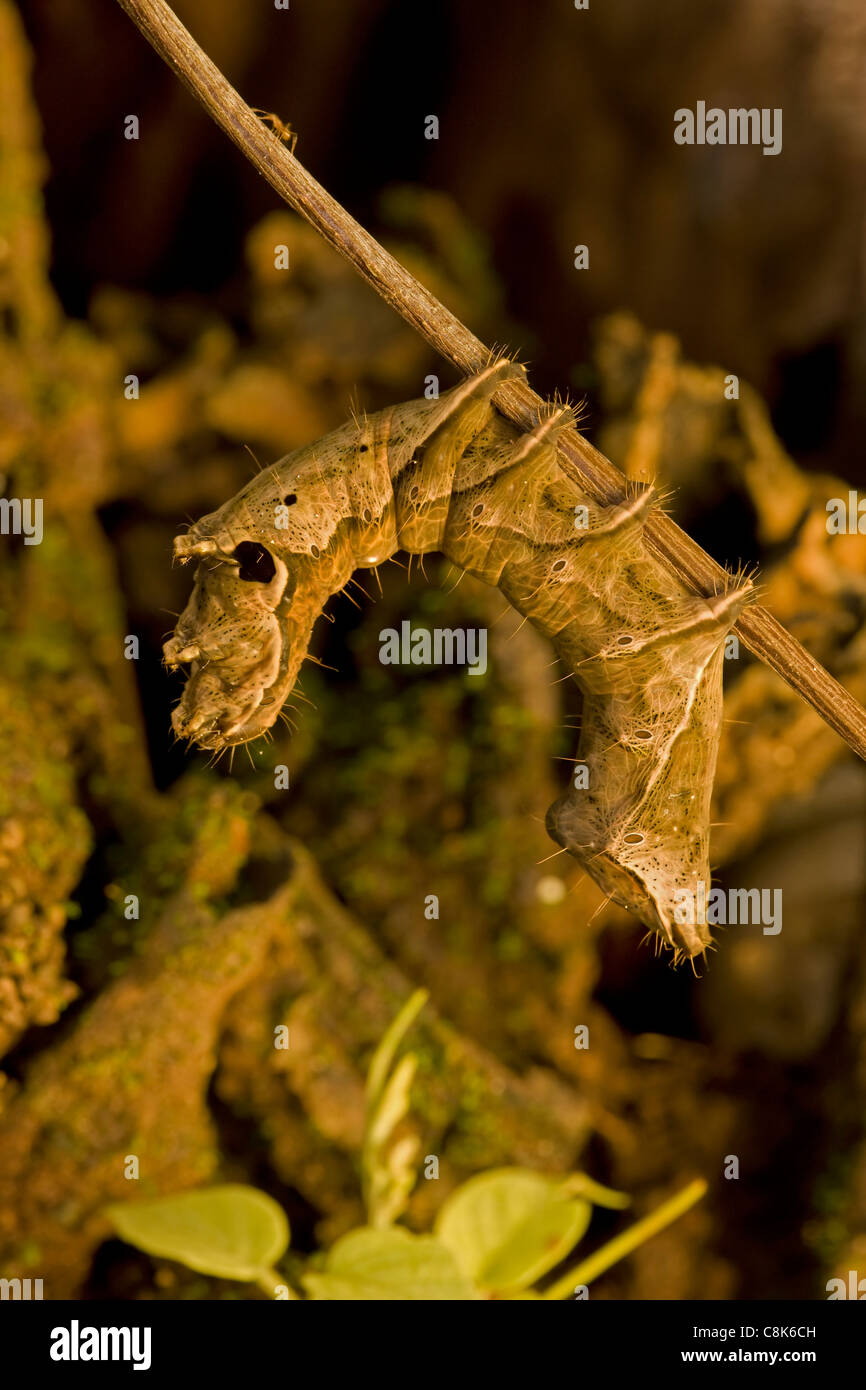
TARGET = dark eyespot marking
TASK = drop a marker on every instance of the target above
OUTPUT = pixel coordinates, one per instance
(255, 563)
(290, 499)
(363, 449)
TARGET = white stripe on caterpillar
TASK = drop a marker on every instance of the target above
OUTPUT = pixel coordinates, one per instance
(452, 475)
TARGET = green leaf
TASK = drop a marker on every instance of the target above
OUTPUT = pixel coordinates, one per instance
(233, 1231)
(385, 1265)
(389, 1180)
(508, 1227)
(393, 1103)
(385, 1053)
(388, 1171)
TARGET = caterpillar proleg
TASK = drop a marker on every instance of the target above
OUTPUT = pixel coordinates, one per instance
(453, 475)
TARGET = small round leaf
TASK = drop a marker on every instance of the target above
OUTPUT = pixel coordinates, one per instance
(232, 1231)
(508, 1227)
(389, 1264)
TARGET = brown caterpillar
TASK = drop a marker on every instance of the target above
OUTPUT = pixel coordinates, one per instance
(453, 475)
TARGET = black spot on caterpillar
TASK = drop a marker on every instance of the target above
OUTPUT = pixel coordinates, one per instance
(452, 475)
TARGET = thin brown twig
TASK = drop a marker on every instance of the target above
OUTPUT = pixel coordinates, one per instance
(604, 483)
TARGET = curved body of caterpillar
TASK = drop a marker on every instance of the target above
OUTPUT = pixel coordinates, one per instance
(452, 475)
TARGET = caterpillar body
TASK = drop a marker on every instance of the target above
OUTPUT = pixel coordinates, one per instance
(452, 475)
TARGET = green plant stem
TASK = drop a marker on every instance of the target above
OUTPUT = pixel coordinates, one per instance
(268, 1280)
(579, 1185)
(616, 1249)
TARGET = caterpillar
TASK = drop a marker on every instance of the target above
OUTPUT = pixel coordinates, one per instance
(452, 475)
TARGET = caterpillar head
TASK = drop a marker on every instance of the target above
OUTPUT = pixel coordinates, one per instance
(241, 641)
(269, 559)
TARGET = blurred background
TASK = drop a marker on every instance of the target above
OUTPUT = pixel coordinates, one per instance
(154, 257)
